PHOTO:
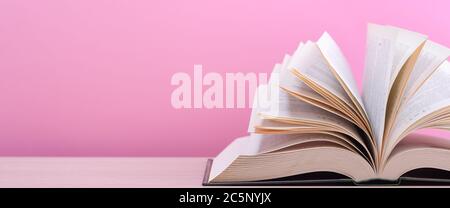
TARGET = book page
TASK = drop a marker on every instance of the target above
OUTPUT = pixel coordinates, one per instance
(279, 128)
(334, 56)
(298, 90)
(418, 151)
(270, 100)
(434, 95)
(266, 99)
(289, 81)
(431, 56)
(311, 67)
(285, 105)
(317, 100)
(310, 63)
(261, 103)
(408, 47)
(286, 112)
(405, 44)
(239, 163)
(388, 51)
(377, 76)
(270, 143)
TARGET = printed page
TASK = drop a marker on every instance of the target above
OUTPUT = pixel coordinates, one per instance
(270, 143)
(433, 96)
(377, 76)
(388, 51)
(431, 56)
(312, 68)
(335, 58)
(407, 50)
(292, 84)
(289, 81)
(284, 105)
(310, 62)
(406, 43)
(317, 100)
(271, 100)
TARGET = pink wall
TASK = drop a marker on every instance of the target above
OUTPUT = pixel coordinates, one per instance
(82, 77)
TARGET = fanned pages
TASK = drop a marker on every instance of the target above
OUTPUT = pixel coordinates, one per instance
(311, 118)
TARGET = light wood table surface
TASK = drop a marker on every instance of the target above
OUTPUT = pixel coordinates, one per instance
(101, 171)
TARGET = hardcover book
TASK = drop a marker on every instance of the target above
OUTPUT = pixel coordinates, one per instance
(310, 124)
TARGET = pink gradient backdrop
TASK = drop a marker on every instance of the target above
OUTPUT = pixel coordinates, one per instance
(92, 78)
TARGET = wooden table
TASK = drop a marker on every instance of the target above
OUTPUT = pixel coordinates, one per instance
(101, 171)
(105, 172)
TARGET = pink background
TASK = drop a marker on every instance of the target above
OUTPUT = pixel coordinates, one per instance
(92, 78)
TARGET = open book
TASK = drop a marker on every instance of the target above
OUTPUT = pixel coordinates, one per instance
(310, 117)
